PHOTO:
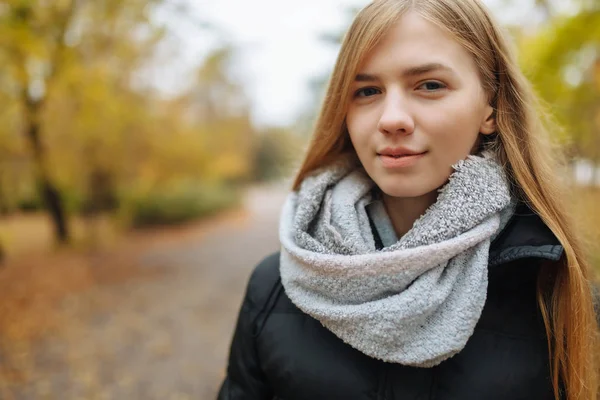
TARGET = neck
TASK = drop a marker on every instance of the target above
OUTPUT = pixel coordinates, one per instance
(404, 211)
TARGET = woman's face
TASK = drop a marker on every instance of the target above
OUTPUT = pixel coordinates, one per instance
(417, 108)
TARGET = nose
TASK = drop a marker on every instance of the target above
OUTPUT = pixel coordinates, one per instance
(395, 117)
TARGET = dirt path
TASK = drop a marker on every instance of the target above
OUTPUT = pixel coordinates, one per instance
(160, 338)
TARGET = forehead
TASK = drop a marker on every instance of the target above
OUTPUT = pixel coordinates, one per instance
(414, 41)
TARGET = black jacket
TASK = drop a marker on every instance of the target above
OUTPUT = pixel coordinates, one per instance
(278, 352)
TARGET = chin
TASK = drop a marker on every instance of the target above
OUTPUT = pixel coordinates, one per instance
(393, 188)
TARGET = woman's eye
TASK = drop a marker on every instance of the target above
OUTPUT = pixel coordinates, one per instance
(366, 92)
(432, 86)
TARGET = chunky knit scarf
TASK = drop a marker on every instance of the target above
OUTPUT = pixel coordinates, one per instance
(415, 302)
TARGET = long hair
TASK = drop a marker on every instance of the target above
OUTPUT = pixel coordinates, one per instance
(523, 146)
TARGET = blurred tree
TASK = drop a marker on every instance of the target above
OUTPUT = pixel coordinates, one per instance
(562, 59)
(216, 94)
(58, 56)
(34, 42)
(219, 109)
(74, 77)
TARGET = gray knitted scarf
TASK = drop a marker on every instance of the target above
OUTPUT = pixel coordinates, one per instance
(415, 302)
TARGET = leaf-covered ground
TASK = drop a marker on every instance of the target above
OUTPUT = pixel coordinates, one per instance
(149, 318)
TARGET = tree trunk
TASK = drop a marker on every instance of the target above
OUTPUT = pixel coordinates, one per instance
(33, 104)
(48, 191)
(55, 206)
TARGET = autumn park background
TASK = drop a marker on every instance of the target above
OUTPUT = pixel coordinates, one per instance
(131, 218)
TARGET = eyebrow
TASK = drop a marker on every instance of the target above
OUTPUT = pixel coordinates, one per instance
(408, 73)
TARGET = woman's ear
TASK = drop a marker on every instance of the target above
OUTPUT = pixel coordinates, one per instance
(488, 125)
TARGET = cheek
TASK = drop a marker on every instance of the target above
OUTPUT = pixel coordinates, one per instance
(453, 128)
(360, 128)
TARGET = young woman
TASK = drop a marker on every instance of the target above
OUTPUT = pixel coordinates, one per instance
(426, 251)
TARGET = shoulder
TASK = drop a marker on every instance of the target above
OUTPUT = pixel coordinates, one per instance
(263, 281)
(524, 236)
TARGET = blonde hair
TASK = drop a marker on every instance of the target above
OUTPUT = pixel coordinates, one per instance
(521, 143)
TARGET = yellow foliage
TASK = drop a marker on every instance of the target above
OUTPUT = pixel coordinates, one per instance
(561, 59)
(70, 67)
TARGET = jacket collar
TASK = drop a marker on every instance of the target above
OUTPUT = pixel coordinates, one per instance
(524, 236)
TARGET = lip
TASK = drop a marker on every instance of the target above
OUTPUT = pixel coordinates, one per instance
(403, 161)
(398, 152)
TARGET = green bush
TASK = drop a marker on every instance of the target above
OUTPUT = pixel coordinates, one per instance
(29, 204)
(177, 205)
